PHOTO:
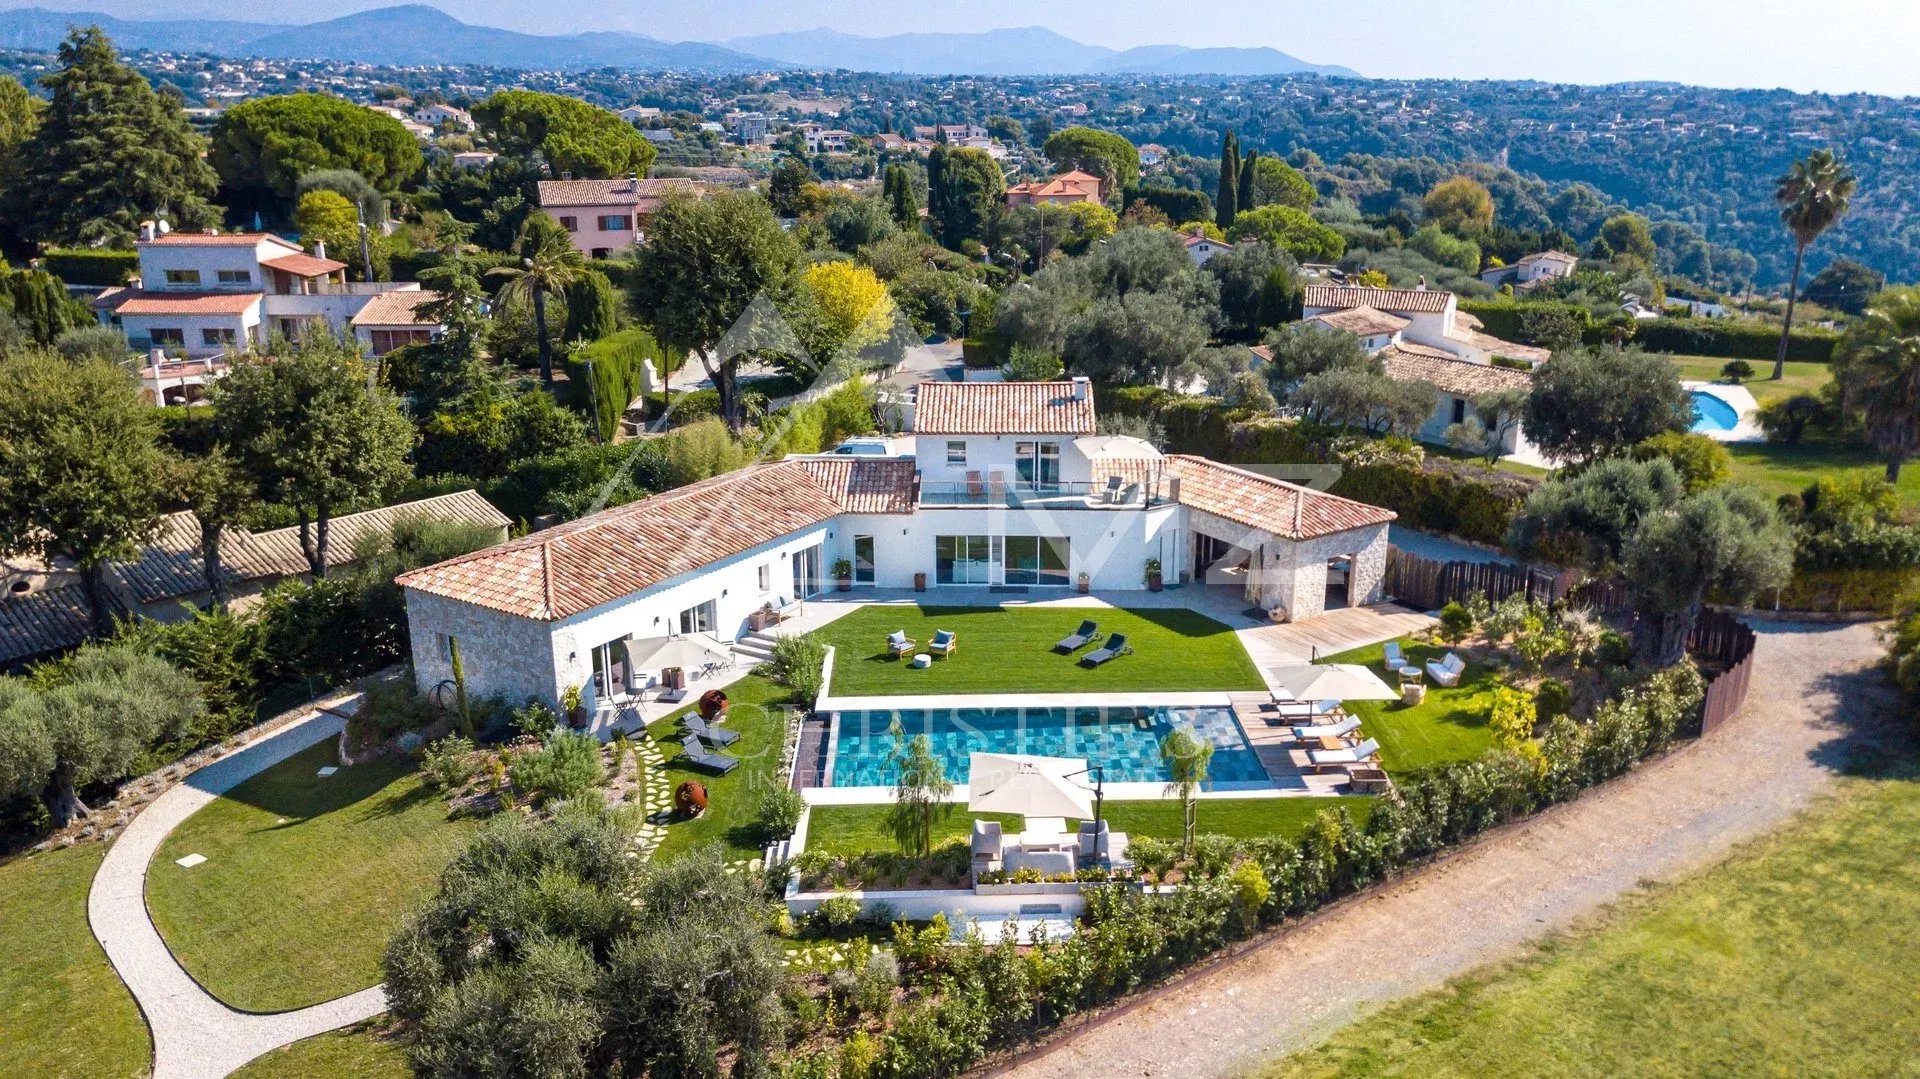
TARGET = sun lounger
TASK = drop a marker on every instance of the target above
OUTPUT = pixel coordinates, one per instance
(1116, 646)
(1079, 638)
(700, 756)
(899, 644)
(1328, 730)
(1338, 758)
(974, 486)
(1395, 659)
(1306, 711)
(1447, 670)
(944, 642)
(713, 736)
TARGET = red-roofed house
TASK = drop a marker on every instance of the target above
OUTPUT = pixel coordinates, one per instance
(603, 216)
(1068, 187)
(1007, 486)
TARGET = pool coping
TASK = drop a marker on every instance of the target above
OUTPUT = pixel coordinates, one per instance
(1744, 405)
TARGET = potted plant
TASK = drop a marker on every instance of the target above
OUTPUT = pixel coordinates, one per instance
(843, 574)
(1086, 584)
(1154, 580)
(570, 703)
(919, 582)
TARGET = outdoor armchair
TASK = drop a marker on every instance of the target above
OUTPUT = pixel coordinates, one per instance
(1446, 671)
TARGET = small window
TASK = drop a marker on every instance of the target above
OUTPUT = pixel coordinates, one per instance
(167, 335)
(956, 453)
(766, 578)
(616, 223)
(236, 277)
(217, 338)
(1459, 410)
(183, 277)
(602, 252)
(571, 224)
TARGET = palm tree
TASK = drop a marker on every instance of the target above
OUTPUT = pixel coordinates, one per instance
(1186, 758)
(1813, 195)
(1878, 369)
(549, 263)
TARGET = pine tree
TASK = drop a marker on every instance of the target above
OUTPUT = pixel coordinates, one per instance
(110, 151)
(1226, 200)
(1246, 180)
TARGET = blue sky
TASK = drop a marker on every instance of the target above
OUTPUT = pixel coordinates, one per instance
(1848, 45)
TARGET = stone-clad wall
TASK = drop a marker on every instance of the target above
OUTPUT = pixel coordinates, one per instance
(503, 655)
(1293, 574)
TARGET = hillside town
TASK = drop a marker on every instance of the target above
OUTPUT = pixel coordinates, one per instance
(839, 576)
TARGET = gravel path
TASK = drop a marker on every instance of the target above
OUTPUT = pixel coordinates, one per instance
(1814, 701)
(194, 1035)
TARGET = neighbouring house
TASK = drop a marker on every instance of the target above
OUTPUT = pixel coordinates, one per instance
(394, 319)
(604, 216)
(437, 115)
(1201, 248)
(1534, 268)
(1067, 187)
(1375, 328)
(639, 115)
(891, 143)
(1152, 154)
(659, 136)
(42, 610)
(1459, 382)
(202, 295)
(1007, 486)
(825, 140)
(473, 160)
(1433, 318)
(750, 127)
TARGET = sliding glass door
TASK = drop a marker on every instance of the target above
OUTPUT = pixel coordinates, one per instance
(1037, 464)
(1040, 560)
(962, 560)
(863, 560)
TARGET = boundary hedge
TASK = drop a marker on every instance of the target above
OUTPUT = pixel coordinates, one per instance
(79, 266)
(1730, 340)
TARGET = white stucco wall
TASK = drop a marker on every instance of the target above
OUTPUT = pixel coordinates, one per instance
(1110, 545)
(208, 259)
(245, 327)
(987, 454)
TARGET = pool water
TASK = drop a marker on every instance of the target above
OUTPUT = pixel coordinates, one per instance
(1126, 741)
(1710, 413)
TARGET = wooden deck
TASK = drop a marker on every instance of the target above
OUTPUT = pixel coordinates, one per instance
(1330, 633)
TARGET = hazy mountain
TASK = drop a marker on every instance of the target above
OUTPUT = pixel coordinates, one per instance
(1031, 50)
(38, 28)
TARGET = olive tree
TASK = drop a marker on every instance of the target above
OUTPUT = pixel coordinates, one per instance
(1601, 402)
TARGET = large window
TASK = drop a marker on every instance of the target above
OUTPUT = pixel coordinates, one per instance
(698, 619)
(183, 277)
(213, 338)
(164, 336)
(385, 341)
(1037, 560)
(616, 223)
(863, 559)
(235, 277)
(1038, 463)
(962, 559)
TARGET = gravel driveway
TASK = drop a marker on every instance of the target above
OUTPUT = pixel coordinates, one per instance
(1815, 701)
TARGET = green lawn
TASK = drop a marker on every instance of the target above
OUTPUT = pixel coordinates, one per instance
(1450, 725)
(853, 829)
(63, 1010)
(1779, 469)
(1801, 377)
(358, 1052)
(733, 800)
(1010, 650)
(305, 879)
(1795, 957)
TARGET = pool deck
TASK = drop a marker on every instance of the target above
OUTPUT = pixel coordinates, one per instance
(1742, 401)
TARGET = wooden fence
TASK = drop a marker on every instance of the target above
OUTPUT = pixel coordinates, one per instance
(1722, 641)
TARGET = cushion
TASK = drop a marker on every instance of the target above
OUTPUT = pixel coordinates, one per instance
(898, 636)
(942, 637)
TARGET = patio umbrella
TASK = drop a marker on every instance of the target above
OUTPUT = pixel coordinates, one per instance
(1033, 786)
(663, 653)
(1331, 682)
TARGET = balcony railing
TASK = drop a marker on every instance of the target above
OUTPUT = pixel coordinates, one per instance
(1064, 496)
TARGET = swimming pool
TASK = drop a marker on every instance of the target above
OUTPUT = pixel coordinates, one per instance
(1126, 741)
(1710, 413)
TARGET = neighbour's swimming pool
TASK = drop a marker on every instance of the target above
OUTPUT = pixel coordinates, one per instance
(1710, 413)
(1126, 741)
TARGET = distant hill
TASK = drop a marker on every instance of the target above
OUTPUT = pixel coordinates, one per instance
(1030, 50)
(38, 28)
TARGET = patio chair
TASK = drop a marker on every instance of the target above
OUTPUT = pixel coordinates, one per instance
(713, 736)
(1088, 632)
(1116, 646)
(1328, 730)
(1098, 845)
(975, 488)
(899, 644)
(1322, 759)
(700, 756)
(1447, 670)
(1395, 659)
(987, 844)
(1112, 491)
(944, 643)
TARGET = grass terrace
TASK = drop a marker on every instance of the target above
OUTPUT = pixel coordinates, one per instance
(1010, 650)
(1795, 956)
(733, 800)
(849, 830)
(63, 1009)
(1450, 725)
(1801, 377)
(305, 878)
(358, 1052)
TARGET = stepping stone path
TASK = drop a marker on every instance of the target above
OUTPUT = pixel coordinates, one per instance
(656, 795)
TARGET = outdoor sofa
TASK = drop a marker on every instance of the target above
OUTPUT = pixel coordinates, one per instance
(1447, 670)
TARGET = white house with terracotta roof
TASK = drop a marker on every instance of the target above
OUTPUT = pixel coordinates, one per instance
(1532, 269)
(603, 216)
(1061, 190)
(1007, 486)
(1201, 248)
(1433, 318)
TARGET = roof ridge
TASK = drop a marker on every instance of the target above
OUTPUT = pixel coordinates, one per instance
(546, 578)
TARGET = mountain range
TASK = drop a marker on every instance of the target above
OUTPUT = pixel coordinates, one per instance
(417, 34)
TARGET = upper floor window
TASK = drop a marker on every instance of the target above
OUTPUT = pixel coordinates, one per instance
(183, 277)
(616, 223)
(571, 224)
(956, 453)
(236, 277)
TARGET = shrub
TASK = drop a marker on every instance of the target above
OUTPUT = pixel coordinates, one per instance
(566, 767)
(1728, 339)
(1511, 717)
(1615, 650)
(873, 988)
(1787, 419)
(1250, 889)
(448, 762)
(1736, 371)
(1701, 461)
(780, 810)
(1153, 855)
(534, 719)
(798, 662)
(838, 911)
(1553, 698)
(1032, 365)
(1455, 622)
(91, 266)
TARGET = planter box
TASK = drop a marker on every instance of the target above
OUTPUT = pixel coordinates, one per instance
(1041, 888)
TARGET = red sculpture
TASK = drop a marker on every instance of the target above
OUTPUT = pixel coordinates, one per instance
(713, 704)
(690, 798)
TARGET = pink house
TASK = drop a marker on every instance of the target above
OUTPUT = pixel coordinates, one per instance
(604, 216)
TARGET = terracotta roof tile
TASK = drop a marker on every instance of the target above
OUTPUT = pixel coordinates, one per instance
(1451, 374)
(621, 192)
(1002, 408)
(867, 486)
(1284, 509)
(216, 239)
(166, 302)
(1363, 321)
(301, 264)
(1396, 300)
(43, 622)
(397, 308)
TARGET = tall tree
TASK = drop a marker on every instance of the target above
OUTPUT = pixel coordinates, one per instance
(972, 187)
(315, 432)
(1101, 153)
(901, 204)
(262, 148)
(1460, 204)
(19, 116)
(1813, 195)
(1275, 181)
(109, 152)
(787, 186)
(1877, 368)
(221, 496)
(705, 264)
(549, 265)
(1602, 401)
(1244, 186)
(572, 136)
(1226, 198)
(81, 475)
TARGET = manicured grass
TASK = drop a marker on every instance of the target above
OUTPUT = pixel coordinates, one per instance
(358, 1052)
(305, 878)
(63, 1010)
(1801, 377)
(1450, 725)
(733, 800)
(1795, 957)
(1010, 650)
(1778, 469)
(853, 829)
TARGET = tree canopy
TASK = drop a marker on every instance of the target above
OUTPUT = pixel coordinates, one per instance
(588, 141)
(1458, 205)
(1845, 285)
(966, 194)
(1877, 368)
(1602, 401)
(262, 148)
(1102, 153)
(1276, 183)
(1293, 231)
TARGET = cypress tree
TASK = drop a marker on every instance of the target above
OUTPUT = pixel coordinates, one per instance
(937, 186)
(901, 204)
(1246, 180)
(1226, 200)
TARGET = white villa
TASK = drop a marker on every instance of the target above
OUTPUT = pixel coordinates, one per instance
(1006, 487)
(1529, 271)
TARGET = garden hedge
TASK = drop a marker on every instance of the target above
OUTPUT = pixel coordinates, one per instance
(80, 266)
(616, 361)
(1729, 339)
(1502, 318)
(1834, 591)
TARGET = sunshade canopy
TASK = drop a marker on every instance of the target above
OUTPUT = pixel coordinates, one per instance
(1331, 682)
(1034, 786)
(663, 653)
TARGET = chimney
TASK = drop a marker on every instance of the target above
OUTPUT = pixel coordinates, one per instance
(1082, 387)
(147, 232)
(633, 183)
(566, 174)
(1422, 286)
(319, 249)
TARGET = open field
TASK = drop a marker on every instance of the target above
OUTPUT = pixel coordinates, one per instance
(305, 878)
(63, 1010)
(1010, 650)
(1795, 957)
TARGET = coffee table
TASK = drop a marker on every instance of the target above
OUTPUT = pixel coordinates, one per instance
(922, 660)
